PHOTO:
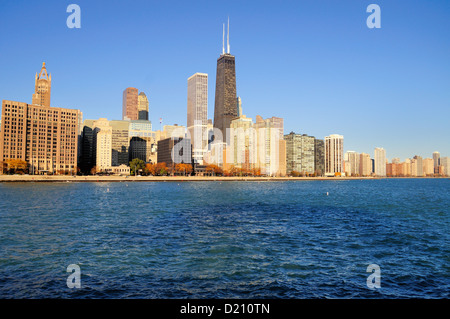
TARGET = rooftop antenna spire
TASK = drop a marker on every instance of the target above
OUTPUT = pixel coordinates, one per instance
(223, 40)
(228, 37)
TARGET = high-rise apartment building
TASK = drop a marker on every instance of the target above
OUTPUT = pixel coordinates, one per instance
(417, 166)
(242, 150)
(42, 88)
(130, 103)
(225, 109)
(300, 153)
(319, 157)
(428, 167)
(334, 155)
(365, 164)
(142, 107)
(197, 114)
(436, 161)
(102, 144)
(270, 146)
(445, 162)
(380, 161)
(352, 158)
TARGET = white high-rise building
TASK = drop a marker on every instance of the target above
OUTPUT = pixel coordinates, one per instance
(380, 161)
(352, 158)
(102, 144)
(197, 114)
(334, 155)
(445, 161)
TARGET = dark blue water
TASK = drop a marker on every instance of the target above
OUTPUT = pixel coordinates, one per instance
(226, 240)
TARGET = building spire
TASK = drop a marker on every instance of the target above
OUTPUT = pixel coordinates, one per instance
(228, 37)
(223, 40)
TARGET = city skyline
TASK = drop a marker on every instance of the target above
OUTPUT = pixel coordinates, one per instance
(410, 135)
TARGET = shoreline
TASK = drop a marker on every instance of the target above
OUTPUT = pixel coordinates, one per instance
(99, 179)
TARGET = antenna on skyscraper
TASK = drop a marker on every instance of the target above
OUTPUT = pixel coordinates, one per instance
(223, 39)
(228, 37)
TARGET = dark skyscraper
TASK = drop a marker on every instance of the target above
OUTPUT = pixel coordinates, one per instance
(225, 103)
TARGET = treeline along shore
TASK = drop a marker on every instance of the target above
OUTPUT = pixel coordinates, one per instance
(112, 178)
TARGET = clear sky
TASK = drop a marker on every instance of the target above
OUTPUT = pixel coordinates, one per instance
(314, 63)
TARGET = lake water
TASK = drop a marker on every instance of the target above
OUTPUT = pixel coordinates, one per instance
(226, 239)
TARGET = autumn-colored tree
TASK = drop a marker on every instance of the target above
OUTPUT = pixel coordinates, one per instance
(93, 170)
(150, 169)
(183, 169)
(16, 165)
(161, 169)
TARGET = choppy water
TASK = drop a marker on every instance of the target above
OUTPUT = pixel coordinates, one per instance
(226, 240)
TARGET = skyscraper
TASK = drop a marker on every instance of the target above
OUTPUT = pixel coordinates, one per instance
(42, 86)
(319, 157)
(130, 104)
(353, 160)
(197, 114)
(142, 106)
(299, 153)
(437, 161)
(380, 161)
(225, 109)
(334, 155)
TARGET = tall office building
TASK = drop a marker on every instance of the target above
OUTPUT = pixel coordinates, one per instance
(299, 153)
(225, 109)
(436, 161)
(380, 161)
(428, 167)
(334, 155)
(319, 157)
(130, 103)
(42, 88)
(45, 137)
(197, 114)
(142, 107)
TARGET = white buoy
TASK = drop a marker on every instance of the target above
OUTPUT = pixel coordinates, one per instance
(327, 193)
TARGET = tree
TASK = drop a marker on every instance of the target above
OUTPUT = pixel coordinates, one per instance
(161, 169)
(93, 170)
(136, 165)
(15, 165)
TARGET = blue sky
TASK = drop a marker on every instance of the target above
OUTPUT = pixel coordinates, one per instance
(315, 63)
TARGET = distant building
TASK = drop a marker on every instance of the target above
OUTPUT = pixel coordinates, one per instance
(242, 148)
(102, 141)
(436, 162)
(45, 137)
(271, 147)
(197, 114)
(334, 155)
(353, 161)
(42, 88)
(365, 164)
(380, 161)
(130, 104)
(142, 107)
(300, 153)
(428, 167)
(175, 150)
(417, 166)
(225, 99)
(319, 157)
(445, 162)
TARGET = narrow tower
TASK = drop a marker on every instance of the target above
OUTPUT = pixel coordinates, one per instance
(225, 100)
(42, 86)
